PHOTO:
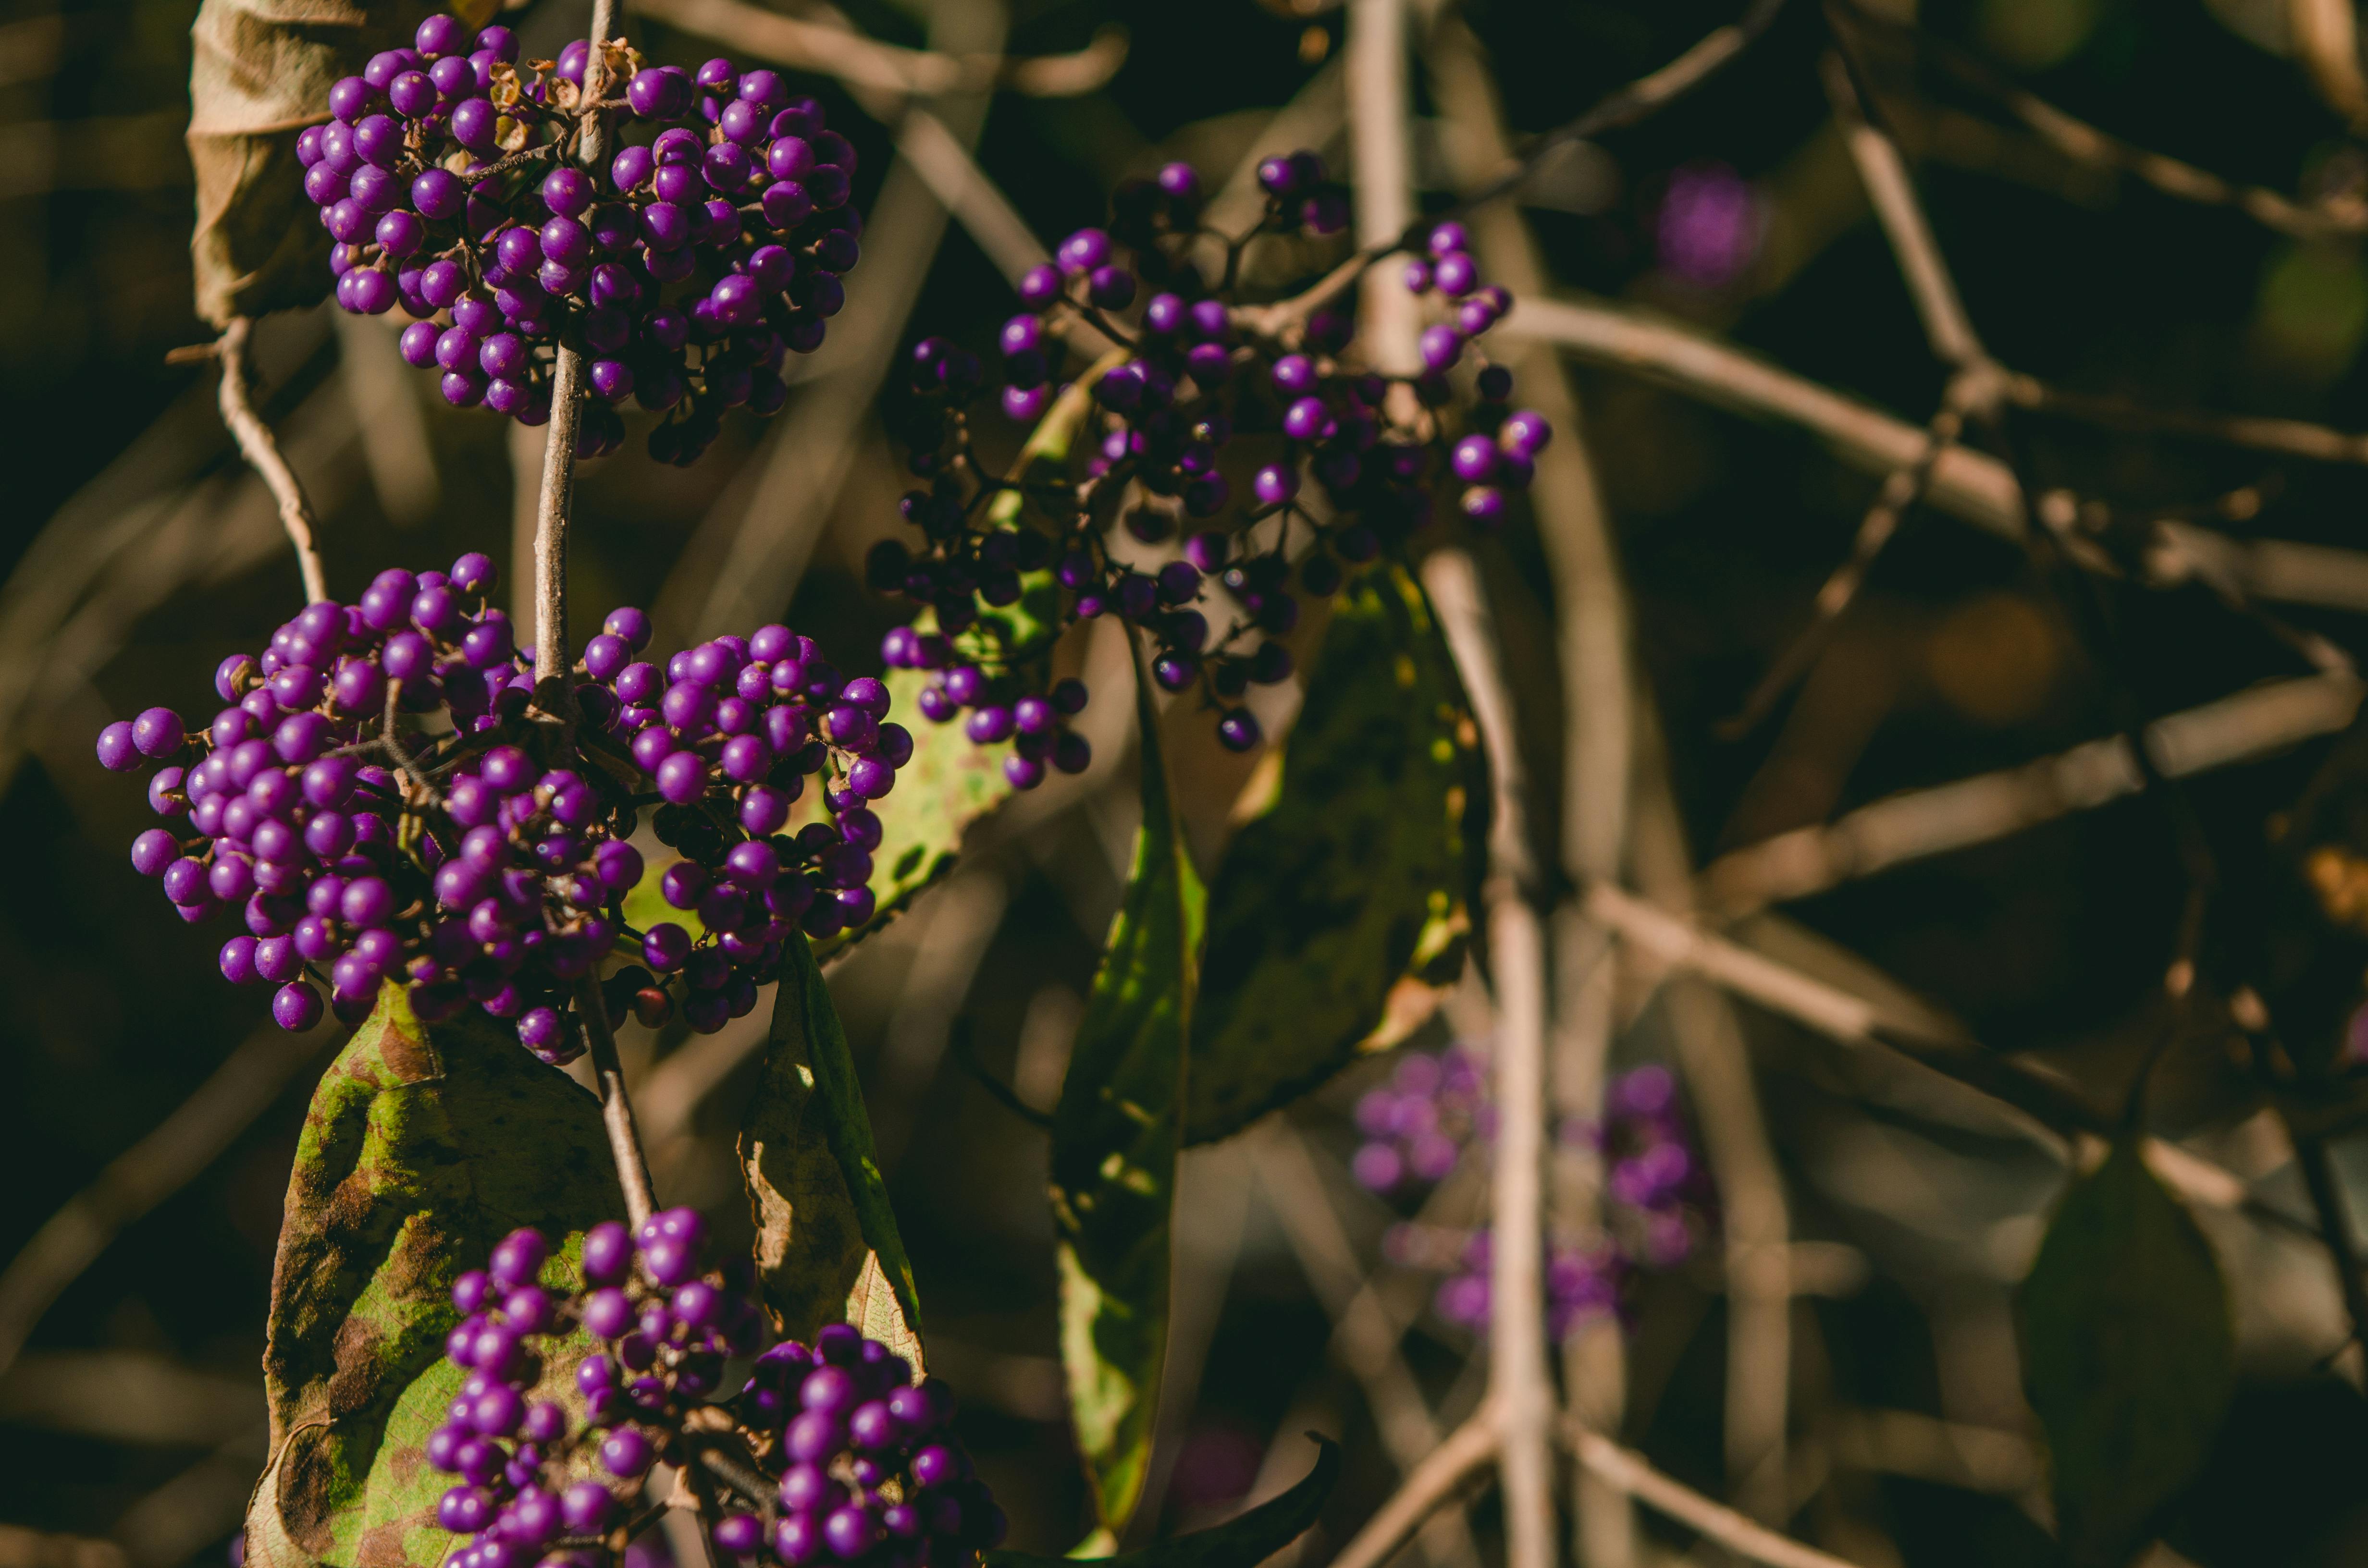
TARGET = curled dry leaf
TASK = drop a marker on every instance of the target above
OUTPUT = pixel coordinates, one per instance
(259, 72)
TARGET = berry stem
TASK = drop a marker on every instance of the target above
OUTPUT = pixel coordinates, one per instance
(557, 501)
(616, 1108)
(262, 450)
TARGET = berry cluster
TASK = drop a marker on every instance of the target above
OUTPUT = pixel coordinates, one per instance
(866, 1467)
(708, 248)
(383, 800)
(668, 1329)
(1417, 1127)
(831, 1452)
(1248, 455)
(730, 732)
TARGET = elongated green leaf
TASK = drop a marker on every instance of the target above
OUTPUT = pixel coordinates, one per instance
(1241, 1542)
(827, 1249)
(1115, 1136)
(259, 72)
(2128, 1355)
(1338, 913)
(422, 1149)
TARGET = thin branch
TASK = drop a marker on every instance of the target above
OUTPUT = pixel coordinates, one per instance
(1374, 65)
(1901, 491)
(1967, 484)
(1638, 100)
(1466, 1453)
(1755, 1223)
(2083, 598)
(1366, 1334)
(862, 62)
(2334, 1230)
(1520, 1387)
(249, 1080)
(555, 507)
(965, 1055)
(616, 1106)
(2343, 213)
(1633, 1473)
(262, 450)
(2287, 438)
(1923, 822)
(1930, 288)
(1599, 711)
(1839, 1015)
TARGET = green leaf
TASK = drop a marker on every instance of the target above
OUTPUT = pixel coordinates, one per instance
(1338, 913)
(948, 785)
(421, 1150)
(2128, 1355)
(1240, 1543)
(645, 903)
(259, 74)
(1115, 1136)
(827, 1249)
(951, 783)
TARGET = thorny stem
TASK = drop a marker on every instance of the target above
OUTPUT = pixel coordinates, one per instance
(262, 450)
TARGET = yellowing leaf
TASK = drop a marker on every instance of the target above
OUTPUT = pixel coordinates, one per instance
(1115, 1136)
(422, 1149)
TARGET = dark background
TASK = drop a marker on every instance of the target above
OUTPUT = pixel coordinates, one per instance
(1954, 661)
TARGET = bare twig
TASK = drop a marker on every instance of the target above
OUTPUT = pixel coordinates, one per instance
(1521, 1389)
(1597, 710)
(616, 1108)
(1755, 1220)
(1460, 1460)
(865, 63)
(2343, 213)
(1638, 100)
(2049, 1102)
(1633, 1473)
(262, 450)
(1922, 822)
(1381, 162)
(2334, 1228)
(1970, 485)
(1908, 1442)
(143, 1175)
(1365, 1336)
(128, 1396)
(2287, 438)
(1901, 491)
(556, 506)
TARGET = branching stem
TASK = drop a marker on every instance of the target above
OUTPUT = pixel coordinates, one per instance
(261, 449)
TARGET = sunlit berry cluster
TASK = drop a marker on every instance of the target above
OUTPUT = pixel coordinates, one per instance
(865, 1465)
(827, 1453)
(381, 801)
(1234, 459)
(704, 247)
(1436, 1111)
